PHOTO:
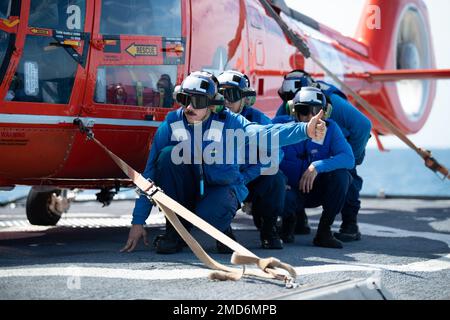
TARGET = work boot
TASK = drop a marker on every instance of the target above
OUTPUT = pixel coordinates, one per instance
(169, 242)
(221, 248)
(269, 234)
(301, 226)
(326, 240)
(288, 229)
(348, 232)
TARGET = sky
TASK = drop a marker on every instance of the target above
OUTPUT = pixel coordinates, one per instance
(343, 15)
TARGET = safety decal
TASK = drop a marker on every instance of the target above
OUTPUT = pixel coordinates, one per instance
(138, 50)
(40, 32)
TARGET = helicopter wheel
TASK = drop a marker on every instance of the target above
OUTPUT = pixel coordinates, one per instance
(44, 208)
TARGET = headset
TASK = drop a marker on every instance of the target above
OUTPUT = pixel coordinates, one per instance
(250, 93)
(310, 99)
(238, 88)
(294, 81)
(199, 89)
(219, 99)
(289, 105)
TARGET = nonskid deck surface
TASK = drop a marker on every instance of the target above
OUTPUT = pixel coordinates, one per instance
(405, 244)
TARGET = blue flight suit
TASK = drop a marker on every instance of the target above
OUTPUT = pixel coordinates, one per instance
(356, 129)
(224, 184)
(332, 160)
(266, 192)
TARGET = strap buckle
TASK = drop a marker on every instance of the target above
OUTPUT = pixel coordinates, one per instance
(290, 283)
(85, 127)
(149, 196)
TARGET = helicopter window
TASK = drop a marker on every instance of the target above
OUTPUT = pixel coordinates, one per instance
(141, 17)
(57, 14)
(45, 73)
(4, 41)
(149, 86)
(4, 9)
(6, 45)
(255, 18)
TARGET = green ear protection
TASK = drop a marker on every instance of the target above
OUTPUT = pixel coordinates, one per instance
(327, 114)
(219, 107)
(289, 105)
(328, 108)
(249, 100)
(218, 97)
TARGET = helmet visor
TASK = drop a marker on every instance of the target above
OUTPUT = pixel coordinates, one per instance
(232, 94)
(286, 96)
(196, 100)
(306, 109)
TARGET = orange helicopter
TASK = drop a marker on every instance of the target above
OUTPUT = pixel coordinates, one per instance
(114, 64)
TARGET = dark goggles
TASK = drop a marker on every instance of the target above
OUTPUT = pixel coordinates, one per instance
(233, 94)
(305, 109)
(197, 101)
(286, 96)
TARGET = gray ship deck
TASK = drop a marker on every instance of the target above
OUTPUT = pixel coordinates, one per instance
(405, 245)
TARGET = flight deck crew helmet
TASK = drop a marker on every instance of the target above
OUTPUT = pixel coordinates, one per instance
(235, 86)
(200, 89)
(309, 100)
(292, 82)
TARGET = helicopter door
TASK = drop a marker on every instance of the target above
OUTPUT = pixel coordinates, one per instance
(137, 57)
(49, 77)
(44, 51)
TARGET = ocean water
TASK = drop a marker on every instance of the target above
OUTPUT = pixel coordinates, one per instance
(398, 172)
(401, 172)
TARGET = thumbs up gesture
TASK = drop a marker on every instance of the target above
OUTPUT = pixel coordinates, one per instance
(316, 127)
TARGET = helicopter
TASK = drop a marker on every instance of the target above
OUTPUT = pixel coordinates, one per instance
(115, 63)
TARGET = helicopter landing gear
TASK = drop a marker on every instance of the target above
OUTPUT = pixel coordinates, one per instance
(106, 195)
(44, 207)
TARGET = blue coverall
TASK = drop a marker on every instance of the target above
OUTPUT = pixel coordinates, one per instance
(332, 160)
(224, 183)
(356, 128)
(266, 192)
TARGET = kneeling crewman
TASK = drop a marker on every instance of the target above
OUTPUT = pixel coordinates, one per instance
(317, 171)
(266, 191)
(186, 162)
(356, 128)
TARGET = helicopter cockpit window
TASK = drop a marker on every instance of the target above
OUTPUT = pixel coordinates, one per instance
(4, 9)
(4, 42)
(66, 15)
(45, 73)
(141, 17)
(146, 86)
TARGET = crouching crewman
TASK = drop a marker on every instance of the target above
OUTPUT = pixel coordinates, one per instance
(190, 161)
(317, 171)
(266, 188)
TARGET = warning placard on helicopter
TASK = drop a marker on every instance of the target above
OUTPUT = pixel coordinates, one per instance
(39, 31)
(138, 50)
